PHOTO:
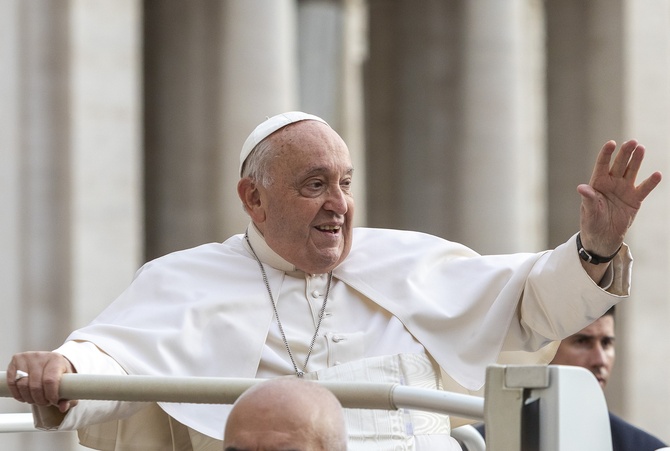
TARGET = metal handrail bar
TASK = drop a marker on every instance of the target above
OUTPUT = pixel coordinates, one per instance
(213, 390)
(17, 422)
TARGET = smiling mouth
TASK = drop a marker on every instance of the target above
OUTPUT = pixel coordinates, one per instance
(329, 229)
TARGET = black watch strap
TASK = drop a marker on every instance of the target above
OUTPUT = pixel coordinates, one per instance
(590, 257)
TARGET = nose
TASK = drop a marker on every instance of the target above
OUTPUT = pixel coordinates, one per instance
(598, 356)
(336, 200)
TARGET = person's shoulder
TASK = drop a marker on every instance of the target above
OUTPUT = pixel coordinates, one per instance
(232, 244)
(626, 436)
(202, 255)
(396, 240)
(379, 234)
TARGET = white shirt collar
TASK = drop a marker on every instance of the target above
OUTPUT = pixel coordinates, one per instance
(265, 252)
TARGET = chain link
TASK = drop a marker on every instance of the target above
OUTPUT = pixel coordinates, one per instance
(298, 372)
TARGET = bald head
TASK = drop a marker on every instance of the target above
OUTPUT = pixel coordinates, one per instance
(286, 414)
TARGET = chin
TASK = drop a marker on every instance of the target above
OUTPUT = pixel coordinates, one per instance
(325, 266)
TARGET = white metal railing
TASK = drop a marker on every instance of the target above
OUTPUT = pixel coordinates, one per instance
(212, 390)
(572, 414)
(23, 422)
(16, 422)
(227, 390)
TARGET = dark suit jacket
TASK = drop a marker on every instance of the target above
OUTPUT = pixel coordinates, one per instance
(625, 436)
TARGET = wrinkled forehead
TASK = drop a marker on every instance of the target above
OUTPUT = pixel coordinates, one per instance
(310, 147)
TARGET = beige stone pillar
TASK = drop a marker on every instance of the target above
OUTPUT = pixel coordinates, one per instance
(585, 104)
(182, 119)
(412, 116)
(501, 159)
(10, 200)
(259, 79)
(332, 47)
(644, 337)
(43, 213)
(35, 203)
(352, 113)
(10, 188)
(608, 79)
(105, 151)
(71, 153)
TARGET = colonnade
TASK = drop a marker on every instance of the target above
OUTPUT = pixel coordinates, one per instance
(121, 123)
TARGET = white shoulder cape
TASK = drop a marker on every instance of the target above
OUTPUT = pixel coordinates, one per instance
(204, 311)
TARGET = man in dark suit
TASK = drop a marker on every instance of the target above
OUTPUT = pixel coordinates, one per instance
(593, 348)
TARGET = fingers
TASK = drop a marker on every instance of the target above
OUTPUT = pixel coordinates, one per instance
(53, 370)
(41, 384)
(626, 165)
(648, 185)
(589, 195)
(26, 389)
(602, 166)
(622, 162)
(64, 405)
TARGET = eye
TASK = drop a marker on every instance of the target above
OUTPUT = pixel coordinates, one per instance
(607, 343)
(312, 187)
(583, 341)
(345, 185)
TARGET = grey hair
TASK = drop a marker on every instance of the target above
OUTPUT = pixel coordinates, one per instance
(257, 164)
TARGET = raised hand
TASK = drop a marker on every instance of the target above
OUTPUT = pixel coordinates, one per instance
(611, 200)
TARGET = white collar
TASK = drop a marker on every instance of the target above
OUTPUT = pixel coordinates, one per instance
(265, 252)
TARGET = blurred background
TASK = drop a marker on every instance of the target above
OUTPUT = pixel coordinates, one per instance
(121, 123)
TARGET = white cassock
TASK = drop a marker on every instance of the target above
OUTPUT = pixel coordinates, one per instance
(403, 307)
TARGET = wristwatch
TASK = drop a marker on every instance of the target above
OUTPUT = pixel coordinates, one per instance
(590, 257)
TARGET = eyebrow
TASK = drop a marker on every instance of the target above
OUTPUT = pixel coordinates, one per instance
(320, 170)
(592, 337)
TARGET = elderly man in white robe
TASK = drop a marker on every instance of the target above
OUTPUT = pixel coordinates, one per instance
(301, 292)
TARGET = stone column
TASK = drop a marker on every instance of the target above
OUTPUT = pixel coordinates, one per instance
(332, 47)
(105, 151)
(213, 71)
(412, 115)
(259, 79)
(34, 141)
(585, 104)
(456, 124)
(352, 113)
(10, 198)
(182, 118)
(10, 188)
(71, 152)
(608, 65)
(43, 128)
(501, 156)
(644, 334)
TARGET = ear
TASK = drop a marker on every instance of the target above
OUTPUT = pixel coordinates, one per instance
(250, 195)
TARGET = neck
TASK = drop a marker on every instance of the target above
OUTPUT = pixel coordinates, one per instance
(265, 252)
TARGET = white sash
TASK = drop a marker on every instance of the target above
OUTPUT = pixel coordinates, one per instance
(401, 429)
